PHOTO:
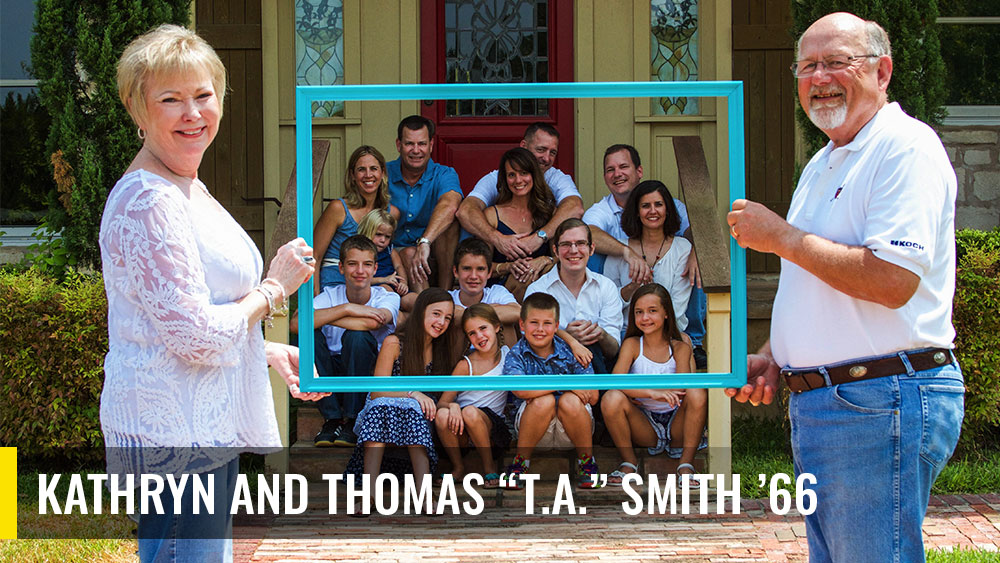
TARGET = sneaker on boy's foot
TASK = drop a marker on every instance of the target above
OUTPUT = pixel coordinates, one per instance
(586, 471)
(514, 470)
(324, 439)
(700, 358)
(345, 437)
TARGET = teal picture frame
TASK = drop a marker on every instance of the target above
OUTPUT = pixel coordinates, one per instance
(732, 91)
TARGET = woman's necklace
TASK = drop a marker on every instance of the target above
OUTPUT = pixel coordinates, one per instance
(642, 248)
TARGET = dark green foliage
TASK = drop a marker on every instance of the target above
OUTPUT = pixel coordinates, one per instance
(918, 75)
(24, 164)
(977, 344)
(53, 338)
(73, 54)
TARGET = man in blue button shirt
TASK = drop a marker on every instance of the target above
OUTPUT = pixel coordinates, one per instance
(427, 195)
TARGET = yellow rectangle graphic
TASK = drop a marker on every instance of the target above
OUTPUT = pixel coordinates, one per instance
(8, 493)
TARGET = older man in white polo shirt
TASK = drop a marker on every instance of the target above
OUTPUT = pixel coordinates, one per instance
(861, 329)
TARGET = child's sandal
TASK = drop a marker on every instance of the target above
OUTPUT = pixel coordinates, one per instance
(693, 483)
(617, 476)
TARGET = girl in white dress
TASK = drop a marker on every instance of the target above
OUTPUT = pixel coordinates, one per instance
(476, 417)
(671, 420)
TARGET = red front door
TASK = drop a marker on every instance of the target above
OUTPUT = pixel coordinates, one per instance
(489, 41)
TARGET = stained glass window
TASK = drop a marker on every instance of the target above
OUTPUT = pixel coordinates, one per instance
(673, 53)
(496, 41)
(319, 49)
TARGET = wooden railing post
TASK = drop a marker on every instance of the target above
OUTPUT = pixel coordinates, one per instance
(711, 243)
(284, 231)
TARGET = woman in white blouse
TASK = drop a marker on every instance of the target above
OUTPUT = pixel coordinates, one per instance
(186, 386)
(650, 220)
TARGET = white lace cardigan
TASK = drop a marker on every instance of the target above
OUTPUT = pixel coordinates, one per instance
(182, 370)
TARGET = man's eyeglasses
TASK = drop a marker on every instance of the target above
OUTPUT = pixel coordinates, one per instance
(836, 63)
(568, 244)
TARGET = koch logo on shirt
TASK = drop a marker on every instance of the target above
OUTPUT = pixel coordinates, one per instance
(906, 244)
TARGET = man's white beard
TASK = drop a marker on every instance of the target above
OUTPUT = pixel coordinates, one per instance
(827, 118)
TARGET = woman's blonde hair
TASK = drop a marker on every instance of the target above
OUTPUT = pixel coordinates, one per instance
(369, 224)
(166, 49)
(352, 194)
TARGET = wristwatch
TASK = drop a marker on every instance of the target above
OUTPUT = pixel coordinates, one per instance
(542, 235)
(423, 240)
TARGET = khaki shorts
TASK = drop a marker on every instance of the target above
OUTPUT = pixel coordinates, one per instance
(555, 437)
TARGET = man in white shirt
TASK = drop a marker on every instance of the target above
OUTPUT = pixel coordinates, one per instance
(351, 321)
(590, 308)
(861, 328)
(622, 173)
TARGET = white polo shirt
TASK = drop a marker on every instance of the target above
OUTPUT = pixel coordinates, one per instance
(380, 298)
(599, 301)
(606, 215)
(559, 182)
(892, 190)
(492, 295)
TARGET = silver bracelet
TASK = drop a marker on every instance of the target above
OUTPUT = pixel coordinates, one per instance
(269, 297)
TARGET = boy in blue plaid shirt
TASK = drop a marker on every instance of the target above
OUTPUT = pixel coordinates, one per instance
(549, 419)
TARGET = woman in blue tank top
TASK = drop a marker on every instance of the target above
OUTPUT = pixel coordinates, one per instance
(366, 187)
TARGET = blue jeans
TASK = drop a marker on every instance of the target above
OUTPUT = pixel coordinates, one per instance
(187, 537)
(875, 448)
(359, 349)
(696, 312)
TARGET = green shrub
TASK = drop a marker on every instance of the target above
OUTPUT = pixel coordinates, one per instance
(74, 53)
(53, 338)
(977, 342)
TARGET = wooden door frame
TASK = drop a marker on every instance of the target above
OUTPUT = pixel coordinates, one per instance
(561, 64)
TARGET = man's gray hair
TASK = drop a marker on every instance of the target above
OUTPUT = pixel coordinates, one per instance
(878, 40)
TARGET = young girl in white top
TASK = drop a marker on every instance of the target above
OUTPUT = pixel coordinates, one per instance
(476, 417)
(671, 420)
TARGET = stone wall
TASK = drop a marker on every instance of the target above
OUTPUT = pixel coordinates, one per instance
(975, 154)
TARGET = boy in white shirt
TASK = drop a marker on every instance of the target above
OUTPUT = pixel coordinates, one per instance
(352, 320)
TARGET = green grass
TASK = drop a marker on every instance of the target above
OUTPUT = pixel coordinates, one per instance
(761, 446)
(31, 524)
(67, 551)
(973, 473)
(960, 555)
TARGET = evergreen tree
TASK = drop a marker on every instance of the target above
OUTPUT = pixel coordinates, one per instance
(73, 55)
(918, 73)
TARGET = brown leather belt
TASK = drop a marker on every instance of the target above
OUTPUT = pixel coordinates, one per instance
(799, 380)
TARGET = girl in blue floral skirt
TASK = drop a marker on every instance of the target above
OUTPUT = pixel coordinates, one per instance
(428, 346)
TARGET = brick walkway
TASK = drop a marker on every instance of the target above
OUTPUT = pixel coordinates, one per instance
(605, 534)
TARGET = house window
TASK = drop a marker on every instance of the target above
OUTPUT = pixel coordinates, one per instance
(673, 40)
(25, 178)
(969, 31)
(319, 49)
(496, 41)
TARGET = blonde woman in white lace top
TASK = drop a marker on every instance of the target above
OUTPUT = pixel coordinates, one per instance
(187, 361)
